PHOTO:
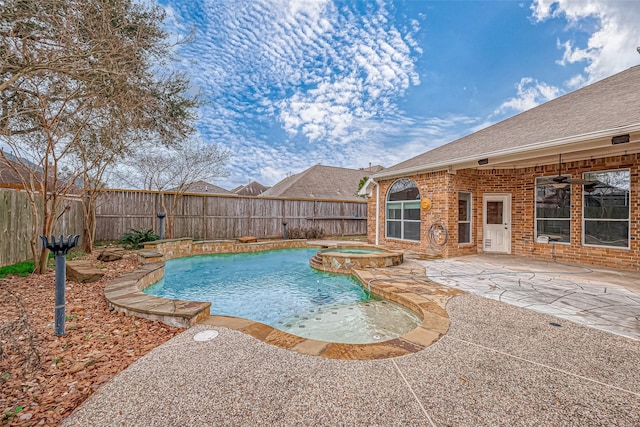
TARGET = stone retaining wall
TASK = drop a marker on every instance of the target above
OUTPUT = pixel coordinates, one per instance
(178, 248)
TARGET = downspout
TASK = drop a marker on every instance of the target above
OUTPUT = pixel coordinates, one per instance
(365, 191)
(377, 211)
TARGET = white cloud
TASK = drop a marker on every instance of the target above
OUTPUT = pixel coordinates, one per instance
(612, 35)
(323, 73)
(294, 83)
(610, 48)
(369, 67)
(386, 142)
(530, 93)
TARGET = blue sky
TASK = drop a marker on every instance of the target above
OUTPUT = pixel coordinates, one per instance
(293, 83)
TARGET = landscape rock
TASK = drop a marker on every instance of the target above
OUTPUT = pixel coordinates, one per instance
(110, 255)
(83, 272)
(248, 239)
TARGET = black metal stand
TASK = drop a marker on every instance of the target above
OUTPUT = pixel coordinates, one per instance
(60, 249)
(160, 216)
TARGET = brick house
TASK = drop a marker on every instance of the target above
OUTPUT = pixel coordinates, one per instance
(561, 181)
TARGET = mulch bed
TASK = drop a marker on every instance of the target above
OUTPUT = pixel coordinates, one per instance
(43, 377)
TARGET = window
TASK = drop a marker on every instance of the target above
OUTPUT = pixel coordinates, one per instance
(553, 210)
(606, 209)
(464, 217)
(403, 210)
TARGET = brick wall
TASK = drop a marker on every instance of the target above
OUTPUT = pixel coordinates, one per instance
(443, 187)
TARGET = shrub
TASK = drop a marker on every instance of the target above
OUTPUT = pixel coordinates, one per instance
(133, 239)
(305, 233)
(315, 233)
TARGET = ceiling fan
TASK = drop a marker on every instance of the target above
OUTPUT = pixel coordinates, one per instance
(561, 181)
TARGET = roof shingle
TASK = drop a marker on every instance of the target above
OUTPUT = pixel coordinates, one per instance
(608, 104)
(321, 182)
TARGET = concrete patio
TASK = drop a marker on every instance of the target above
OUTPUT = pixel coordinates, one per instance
(499, 364)
(602, 298)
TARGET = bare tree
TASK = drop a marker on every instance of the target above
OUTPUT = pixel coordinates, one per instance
(173, 171)
(81, 83)
(95, 160)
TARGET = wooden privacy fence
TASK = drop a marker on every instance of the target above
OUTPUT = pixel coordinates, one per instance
(15, 224)
(210, 217)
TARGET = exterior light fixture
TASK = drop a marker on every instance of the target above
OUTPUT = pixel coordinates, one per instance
(620, 139)
(160, 216)
(483, 162)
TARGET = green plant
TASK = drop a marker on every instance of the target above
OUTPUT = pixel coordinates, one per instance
(20, 269)
(133, 239)
(10, 414)
(75, 253)
(361, 184)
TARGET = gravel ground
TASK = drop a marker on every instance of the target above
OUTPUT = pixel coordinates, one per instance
(498, 365)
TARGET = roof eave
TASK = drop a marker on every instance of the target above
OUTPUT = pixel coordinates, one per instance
(444, 165)
(365, 190)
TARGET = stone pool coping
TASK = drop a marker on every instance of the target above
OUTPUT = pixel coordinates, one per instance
(404, 284)
(124, 294)
(332, 260)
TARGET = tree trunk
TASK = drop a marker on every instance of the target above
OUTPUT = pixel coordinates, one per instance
(168, 234)
(33, 241)
(172, 216)
(89, 216)
(48, 216)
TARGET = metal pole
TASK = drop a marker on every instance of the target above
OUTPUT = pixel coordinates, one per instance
(160, 216)
(61, 278)
(284, 232)
(60, 249)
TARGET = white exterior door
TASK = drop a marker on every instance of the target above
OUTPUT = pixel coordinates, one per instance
(496, 213)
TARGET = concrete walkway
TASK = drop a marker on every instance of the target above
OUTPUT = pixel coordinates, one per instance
(498, 365)
(604, 299)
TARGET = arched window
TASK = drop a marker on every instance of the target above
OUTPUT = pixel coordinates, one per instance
(403, 210)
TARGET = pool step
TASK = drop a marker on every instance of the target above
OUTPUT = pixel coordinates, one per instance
(316, 260)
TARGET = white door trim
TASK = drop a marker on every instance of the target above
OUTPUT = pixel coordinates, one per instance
(496, 238)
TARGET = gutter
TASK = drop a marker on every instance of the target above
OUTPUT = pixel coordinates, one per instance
(364, 191)
(377, 211)
(507, 151)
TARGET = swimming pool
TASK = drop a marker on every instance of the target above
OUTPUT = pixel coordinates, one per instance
(280, 289)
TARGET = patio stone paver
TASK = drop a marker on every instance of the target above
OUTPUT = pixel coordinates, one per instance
(597, 297)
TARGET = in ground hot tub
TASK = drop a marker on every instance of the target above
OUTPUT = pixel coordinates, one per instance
(344, 259)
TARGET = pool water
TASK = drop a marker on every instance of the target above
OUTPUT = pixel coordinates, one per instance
(280, 289)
